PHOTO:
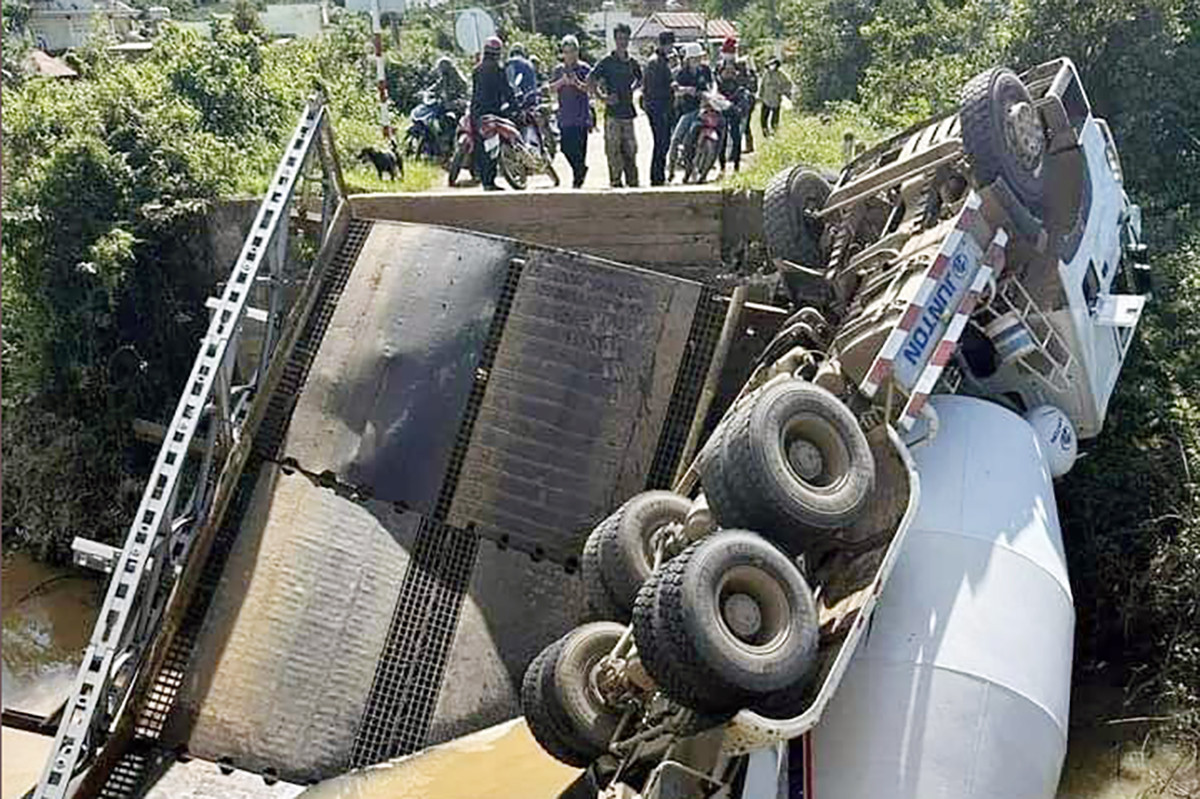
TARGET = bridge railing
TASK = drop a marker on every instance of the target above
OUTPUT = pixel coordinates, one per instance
(203, 452)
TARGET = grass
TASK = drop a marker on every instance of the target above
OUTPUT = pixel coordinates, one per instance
(804, 138)
(418, 176)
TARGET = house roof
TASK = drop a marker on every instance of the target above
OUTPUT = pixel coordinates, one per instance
(48, 66)
(63, 8)
(681, 21)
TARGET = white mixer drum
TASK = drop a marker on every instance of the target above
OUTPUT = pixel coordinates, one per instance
(961, 688)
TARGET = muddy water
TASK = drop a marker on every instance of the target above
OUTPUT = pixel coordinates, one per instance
(48, 615)
(501, 762)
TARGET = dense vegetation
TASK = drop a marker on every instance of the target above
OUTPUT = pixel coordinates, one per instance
(1129, 509)
(106, 183)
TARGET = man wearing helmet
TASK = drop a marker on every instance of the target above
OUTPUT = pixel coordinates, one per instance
(490, 91)
(692, 81)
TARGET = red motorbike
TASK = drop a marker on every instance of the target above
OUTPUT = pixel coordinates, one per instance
(709, 137)
(464, 150)
(516, 158)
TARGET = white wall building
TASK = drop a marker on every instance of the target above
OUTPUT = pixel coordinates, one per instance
(59, 25)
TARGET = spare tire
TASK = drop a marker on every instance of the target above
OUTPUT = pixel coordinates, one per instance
(564, 712)
(790, 461)
(789, 201)
(727, 622)
(1002, 135)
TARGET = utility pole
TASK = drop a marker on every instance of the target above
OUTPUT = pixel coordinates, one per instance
(385, 117)
(532, 18)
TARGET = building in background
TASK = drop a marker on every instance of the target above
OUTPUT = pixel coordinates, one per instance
(58, 25)
(688, 26)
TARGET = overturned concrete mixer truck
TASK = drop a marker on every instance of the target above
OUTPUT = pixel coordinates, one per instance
(858, 588)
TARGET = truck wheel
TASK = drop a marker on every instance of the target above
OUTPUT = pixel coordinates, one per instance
(601, 605)
(790, 199)
(792, 457)
(626, 549)
(1002, 134)
(536, 693)
(728, 621)
(564, 710)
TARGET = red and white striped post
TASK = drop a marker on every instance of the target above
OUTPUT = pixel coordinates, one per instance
(385, 117)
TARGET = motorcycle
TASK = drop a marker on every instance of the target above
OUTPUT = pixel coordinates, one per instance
(464, 150)
(517, 156)
(431, 126)
(710, 133)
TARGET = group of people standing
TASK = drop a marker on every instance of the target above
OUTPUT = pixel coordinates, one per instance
(672, 85)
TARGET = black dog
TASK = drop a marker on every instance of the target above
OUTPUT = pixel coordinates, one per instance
(390, 163)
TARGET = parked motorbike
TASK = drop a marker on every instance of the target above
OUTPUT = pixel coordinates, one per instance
(431, 128)
(709, 134)
(517, 158)
(464, 150)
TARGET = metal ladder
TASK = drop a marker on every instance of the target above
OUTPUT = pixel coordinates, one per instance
(146, 570)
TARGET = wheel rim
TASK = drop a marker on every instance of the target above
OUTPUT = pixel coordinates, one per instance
(753, 610)
(814, 453)
(1024, 134)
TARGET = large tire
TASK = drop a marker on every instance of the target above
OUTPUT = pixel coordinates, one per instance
(512, 171)
(601, 605)
(790, 199)
(729, 621)
(456, 165)
(790, 461)
(536, 703)
(564, 712)
(987, 101)
(626, 558)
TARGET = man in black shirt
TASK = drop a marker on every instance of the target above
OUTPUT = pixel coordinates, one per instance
(614, 80)
(490, 91)
(656, 100)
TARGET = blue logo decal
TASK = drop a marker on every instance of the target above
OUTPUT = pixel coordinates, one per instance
(959, 264)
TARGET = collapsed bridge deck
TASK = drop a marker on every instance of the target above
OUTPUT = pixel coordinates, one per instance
(470, 407)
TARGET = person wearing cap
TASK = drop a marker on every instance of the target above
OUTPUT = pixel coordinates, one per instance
(569, 81)
(775, 85)
(614, 81)
(490, 92)
(693, 80)
(729, 84)
(656, 101)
